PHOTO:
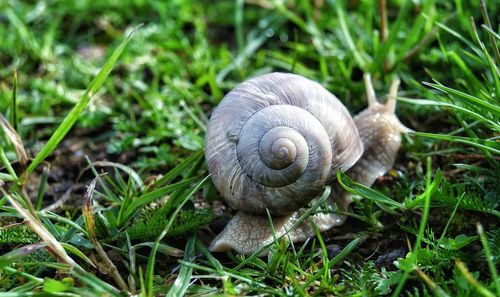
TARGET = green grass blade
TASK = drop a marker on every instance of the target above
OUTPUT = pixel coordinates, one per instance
(163, 248)
(238, 22)
(493, 42)
(472, 114)
(356, 188)
(344, 253)
(257, 37)
(123, 168)
(178, 170)
(494, 109)
(448, 223)
(41, 189)
(382, 54)
(345, 30)
(489, 258)
(154, 195)
(183, 280)
(429, 191)
(151, 262)
(415, 31)
(491, 32)
(6, 177)
(236, 275)
(471, 279)
(77, 253)
(24, 33)
(25, 275)
(421, 229)
(211, 259)
(490, 145)
(6, 163)
(94, 282)
(73, 115)
(296, 224)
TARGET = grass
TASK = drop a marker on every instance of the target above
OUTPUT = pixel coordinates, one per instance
(104, 106)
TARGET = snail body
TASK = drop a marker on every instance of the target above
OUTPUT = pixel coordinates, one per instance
(275, 142)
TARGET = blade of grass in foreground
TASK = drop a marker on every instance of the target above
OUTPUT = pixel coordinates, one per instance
(303, 217)
(183, 280)
(491, 107)
(421, 230)
(489, 257)
(356, 188)
(71, 118)
(488, 145)
(178, 170)
(34, 223)
(14, 103)
(154, 195)
(151, 262)
(468, 112)
(345, 252)
(94, 282)
(15, 255)
(471, 279)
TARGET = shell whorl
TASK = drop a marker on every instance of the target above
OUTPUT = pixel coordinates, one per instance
(275, 141)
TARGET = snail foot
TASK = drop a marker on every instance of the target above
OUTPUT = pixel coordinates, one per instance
(247, 234)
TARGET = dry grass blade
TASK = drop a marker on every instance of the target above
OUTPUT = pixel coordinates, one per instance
(487, 21)
(53, 245)
(14, 102)
(472, 280)
(383, 20)
(15, 140)
(105, 264)
(87, 209)
(436, 290)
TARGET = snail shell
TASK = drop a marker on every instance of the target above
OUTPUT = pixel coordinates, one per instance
(378, 127)
(275, 141)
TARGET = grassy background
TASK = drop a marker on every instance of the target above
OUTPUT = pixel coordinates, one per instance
(88, 98)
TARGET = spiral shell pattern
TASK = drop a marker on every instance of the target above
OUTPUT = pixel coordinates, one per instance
(275, 141)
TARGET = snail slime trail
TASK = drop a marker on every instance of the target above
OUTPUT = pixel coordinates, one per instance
(274, 143)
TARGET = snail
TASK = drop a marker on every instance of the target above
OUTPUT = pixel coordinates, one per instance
(274, 143)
